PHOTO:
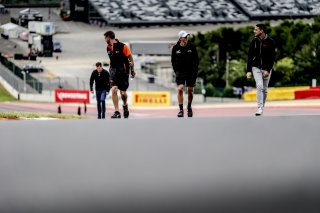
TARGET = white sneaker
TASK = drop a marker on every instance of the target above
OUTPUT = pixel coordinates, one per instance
(259, 111)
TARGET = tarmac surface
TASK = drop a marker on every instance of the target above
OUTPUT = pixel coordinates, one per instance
(221, 164)
(222, 160)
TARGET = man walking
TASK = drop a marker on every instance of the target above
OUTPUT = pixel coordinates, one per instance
(261, 58)
(121, 65)
(185, 61)
(100, 77)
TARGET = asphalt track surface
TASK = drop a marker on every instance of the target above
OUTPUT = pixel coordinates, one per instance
(214, 164)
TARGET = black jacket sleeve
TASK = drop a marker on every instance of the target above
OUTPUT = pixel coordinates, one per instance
(250, 56)
(91, 81)
(174, 59)
(108, 82)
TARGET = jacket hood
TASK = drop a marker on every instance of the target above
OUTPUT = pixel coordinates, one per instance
(266, 36)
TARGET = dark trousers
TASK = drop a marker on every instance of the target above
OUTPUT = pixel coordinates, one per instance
(101, 102)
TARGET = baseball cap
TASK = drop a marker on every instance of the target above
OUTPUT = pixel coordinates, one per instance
(183, 34)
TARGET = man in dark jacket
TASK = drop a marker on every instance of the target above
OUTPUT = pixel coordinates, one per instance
(261, 58)
(185, 61)
(100, 77)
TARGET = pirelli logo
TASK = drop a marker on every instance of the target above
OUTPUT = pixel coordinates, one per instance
(151, 98)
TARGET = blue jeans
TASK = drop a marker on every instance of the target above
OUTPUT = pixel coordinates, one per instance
(101, 102)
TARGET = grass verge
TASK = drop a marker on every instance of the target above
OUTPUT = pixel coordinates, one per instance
(4, 95)
(30, 115)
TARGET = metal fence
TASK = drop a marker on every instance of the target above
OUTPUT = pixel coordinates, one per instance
(10, 78)
(18, 84)
(35, 84)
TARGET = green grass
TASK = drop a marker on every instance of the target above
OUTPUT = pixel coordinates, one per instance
(17, 115)
(4, 95)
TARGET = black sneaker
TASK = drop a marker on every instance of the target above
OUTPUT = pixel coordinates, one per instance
(99, 116)
(125, 111)
(180, 114)
(190, 113)
(103, 116)
(116, 115)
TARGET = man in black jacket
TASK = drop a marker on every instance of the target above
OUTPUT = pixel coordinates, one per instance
(261, 58)
(185, 61)
(100, 77)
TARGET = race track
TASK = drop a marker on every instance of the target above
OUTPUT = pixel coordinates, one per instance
(215, 164)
